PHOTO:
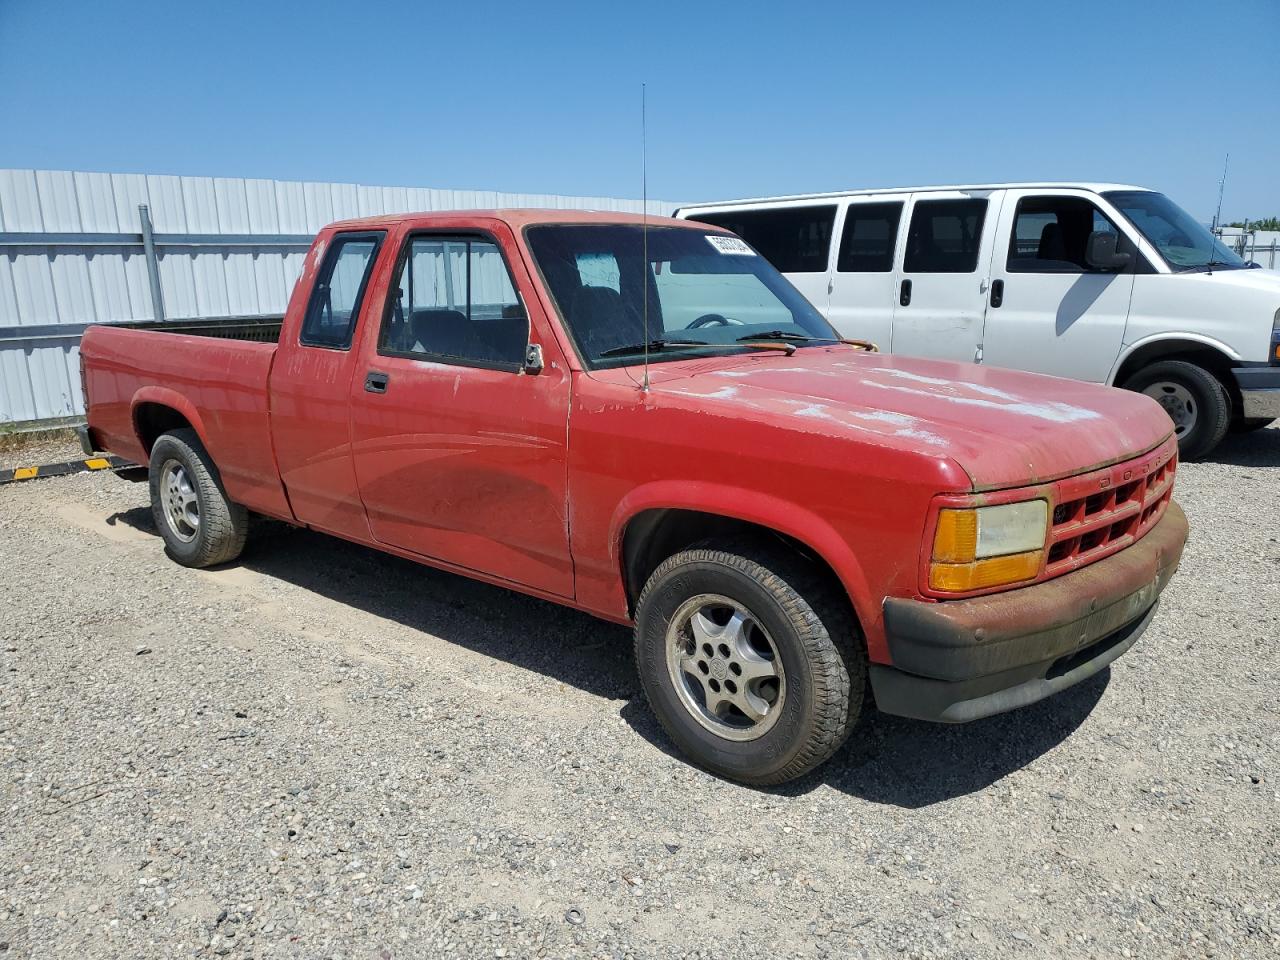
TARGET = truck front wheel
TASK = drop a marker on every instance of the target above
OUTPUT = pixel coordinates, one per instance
(1194, 399)
(200, 526)
(747, 656)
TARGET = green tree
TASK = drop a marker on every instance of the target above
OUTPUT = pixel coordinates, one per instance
(1268, 223)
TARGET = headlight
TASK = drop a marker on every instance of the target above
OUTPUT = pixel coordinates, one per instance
(982, 547)
(1275, 338)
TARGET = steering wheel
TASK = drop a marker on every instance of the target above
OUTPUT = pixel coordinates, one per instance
(716, 319)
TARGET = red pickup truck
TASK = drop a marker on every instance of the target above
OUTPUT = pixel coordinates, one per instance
(645, 421)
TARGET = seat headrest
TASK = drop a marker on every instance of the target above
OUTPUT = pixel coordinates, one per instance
(422, 322)
(1052, 245)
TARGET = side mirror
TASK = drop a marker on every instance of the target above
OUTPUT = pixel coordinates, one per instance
(1100, 252)
(533, 358)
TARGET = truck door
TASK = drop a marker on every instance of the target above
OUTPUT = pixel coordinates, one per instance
(1051, 312)
(863, 284)
(310, 419)
(459, 452)
(943, 282)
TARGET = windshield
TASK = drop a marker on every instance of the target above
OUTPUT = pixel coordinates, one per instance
(705, 288)
(1184, 243)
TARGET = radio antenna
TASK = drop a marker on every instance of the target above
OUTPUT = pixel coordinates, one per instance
(644, 232)
(1222, 185)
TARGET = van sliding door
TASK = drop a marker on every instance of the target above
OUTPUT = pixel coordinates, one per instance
(864, 283)
(941, 291)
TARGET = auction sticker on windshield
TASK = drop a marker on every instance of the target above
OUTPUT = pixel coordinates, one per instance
(731, 245)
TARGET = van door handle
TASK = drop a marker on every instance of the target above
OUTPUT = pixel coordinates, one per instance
(376, 382)
(997, 292)
(904, 295)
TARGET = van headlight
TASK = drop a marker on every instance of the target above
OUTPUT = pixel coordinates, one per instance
(1275, 338)
(979, 547)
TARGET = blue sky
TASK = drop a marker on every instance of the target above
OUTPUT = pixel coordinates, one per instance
(744, 98)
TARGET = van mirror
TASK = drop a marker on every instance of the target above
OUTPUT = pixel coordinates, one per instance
(1101, 253)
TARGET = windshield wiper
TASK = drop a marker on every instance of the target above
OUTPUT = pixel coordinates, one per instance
(652, 345)
(800, 337)
(661, 344)
(784, 335)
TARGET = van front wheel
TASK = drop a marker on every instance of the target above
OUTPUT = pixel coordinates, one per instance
(1194, 399)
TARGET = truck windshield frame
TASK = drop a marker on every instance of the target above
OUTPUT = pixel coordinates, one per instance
(708, 287)
(1183, 242)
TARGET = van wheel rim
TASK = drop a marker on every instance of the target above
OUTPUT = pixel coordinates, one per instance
(725, 667)
(1178, 403)
(179, 500)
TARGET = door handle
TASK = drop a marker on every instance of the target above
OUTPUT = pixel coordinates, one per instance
(997, 292)
(904, 294)
(376, 382)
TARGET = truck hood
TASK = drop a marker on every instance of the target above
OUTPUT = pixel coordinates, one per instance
(1005, 428)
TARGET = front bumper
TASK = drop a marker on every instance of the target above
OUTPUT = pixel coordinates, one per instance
(1259, 391)
(958, 660)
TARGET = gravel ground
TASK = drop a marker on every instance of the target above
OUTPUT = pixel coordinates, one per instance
(323, 751)
(34, 449)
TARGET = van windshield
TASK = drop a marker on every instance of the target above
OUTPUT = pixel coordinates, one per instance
(1184, 243)
(704, 290)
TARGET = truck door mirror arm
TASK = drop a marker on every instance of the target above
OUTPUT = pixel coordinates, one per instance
(533, 358)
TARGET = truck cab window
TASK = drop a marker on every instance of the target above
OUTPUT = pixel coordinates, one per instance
(793, 239)
(339, 289)
(1051, 235)
(454, 301)
(870, 232)
(945, 236)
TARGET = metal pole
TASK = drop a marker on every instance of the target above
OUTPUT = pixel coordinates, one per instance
(153, 264)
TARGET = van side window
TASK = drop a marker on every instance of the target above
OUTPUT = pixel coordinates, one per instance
(870, 233)
(339, 290)
(454, 301)
(1050, 235)
(945, 236)
(793, 239)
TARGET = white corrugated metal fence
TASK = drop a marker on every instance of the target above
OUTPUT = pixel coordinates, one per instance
(71, 255)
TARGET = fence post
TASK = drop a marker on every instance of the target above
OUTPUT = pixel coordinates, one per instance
(153, 264)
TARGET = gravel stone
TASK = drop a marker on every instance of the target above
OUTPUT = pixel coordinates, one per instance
(331, 752)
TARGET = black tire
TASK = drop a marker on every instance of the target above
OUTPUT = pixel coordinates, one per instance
(219, 535)
(1211, 407)
(810, 624)
(1250, 424)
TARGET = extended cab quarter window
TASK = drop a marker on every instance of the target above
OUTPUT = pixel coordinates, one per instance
(454, 301)
(339, 290)
(945, 236)
(1051, 235)
(870, 232)
(793, 239)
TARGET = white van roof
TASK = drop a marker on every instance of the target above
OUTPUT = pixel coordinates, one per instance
(840, 194)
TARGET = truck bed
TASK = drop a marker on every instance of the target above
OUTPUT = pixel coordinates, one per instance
(212, 372)
(264, 328)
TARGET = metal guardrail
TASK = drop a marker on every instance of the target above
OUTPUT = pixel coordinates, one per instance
(159, 239)
(149, 241)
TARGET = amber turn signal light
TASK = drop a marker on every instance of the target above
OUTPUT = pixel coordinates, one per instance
(979, 547)
(980, 574)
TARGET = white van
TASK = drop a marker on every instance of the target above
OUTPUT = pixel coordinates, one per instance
(1103, 282)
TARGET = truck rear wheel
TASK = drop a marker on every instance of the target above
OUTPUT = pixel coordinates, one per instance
(1195, 400)
(747, 657)
(200, 526)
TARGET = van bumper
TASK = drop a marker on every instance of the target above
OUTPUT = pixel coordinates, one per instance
(959, 660)
(1259, 391)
